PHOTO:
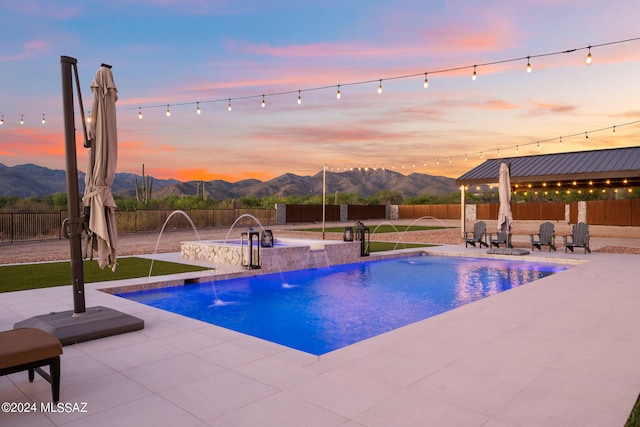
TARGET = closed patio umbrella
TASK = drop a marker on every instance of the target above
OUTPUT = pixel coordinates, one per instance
(101, 168)
(505, 218)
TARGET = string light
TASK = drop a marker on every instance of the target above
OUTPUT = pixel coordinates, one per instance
(139, 113)
(263, 103)
(481, 155)
(89, 117)
(560, 142)
(43, 119)
(475, 75)
(448, 70)
(586, 135)
(380, 87)
(426, 81)
(299, 98)
(529, 69)
(2, 120)
(614, 130)
(538, 145)
(517, 148)
(168, 113)
(198, 108)
(21, 119)
(498, 152)
(450, 159)
(465, 157)
(229, 105)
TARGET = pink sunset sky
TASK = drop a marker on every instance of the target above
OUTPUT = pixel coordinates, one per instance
(181, 53)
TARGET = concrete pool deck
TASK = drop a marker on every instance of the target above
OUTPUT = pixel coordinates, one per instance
(561, 351)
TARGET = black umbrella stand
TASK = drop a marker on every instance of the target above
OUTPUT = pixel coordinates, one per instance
(79, 324)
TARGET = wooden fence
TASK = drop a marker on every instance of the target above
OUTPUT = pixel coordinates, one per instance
(15, 227)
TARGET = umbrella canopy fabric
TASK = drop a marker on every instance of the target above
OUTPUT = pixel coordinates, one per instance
(505, 218)
(101, 168)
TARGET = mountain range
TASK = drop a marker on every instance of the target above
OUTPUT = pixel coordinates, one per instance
(31, 180)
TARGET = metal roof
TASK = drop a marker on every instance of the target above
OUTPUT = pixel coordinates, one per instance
(611, 166)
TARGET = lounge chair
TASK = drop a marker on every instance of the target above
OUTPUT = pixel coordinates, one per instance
(501, 238)
(479, 235)
(545, 237)
(30, 349)
(579, 238)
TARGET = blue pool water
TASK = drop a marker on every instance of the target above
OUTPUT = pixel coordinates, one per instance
(321, 310)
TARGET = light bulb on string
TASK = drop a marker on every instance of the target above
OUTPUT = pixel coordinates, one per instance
(299, 98)
(89, 117)
(465, 157)
(438, 161)
(43, 119)
(139, 113)
(380, 87)
(588, 59)
(168, 112)
(529, 69)
(538, 144)
(450, 159)
(426, 81)
(614, 130)
(586, 135)
(481, 155)
(474, 76)
(338, 94)
(263, 103)
(2, 120)
(229, 105)
(198, 108)
(21, 119)
(498, 152)
(560, 142)
(425, 163)
(517, 146)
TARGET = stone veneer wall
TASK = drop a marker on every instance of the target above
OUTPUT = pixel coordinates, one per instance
(281, 213)
(317, 254)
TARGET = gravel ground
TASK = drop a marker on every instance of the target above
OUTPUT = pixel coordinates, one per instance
(603, 239)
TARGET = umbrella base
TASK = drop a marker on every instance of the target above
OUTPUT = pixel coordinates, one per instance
(94, 323)
(508, 251)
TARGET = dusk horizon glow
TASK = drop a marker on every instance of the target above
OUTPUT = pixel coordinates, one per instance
(184, 55)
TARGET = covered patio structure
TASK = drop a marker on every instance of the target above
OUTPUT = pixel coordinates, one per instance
(615, 169)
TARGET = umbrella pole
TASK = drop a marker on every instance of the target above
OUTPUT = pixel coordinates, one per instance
(73, 203)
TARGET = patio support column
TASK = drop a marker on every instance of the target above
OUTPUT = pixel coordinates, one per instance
(462, 213)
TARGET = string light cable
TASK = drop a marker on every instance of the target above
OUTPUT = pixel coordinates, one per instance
(298, 92)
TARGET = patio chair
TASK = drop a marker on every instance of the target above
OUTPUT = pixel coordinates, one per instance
(545, 237)
(501, 238)
(479, 235)
(579, 238)
(30, 349)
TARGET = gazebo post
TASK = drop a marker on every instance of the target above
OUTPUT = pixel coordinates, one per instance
(463, 221)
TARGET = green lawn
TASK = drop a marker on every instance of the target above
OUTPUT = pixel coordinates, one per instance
(383, 228)
(44, 275)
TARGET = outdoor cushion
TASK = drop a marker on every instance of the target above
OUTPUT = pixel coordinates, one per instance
(30, 349)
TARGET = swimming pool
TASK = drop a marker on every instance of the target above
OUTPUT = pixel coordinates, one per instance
(321, 310)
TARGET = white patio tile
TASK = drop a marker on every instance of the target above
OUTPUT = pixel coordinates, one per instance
(281, 410)
(134, 355)
(213, 396)
(147, 411)
(172, 372)
(410, 409)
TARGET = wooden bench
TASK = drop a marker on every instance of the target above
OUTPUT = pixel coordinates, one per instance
(31, 349)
